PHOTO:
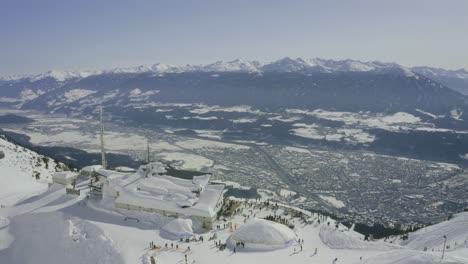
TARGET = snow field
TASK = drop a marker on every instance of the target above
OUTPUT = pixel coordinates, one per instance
(259, 234)
(18, 169)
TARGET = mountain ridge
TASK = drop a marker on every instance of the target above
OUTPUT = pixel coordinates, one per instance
(286, 64)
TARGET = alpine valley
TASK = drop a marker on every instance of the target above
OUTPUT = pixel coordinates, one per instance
(345, 138)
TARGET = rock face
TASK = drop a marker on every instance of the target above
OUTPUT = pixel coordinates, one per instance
(2, 154)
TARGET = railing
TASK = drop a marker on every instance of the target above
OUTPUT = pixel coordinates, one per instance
(131, 218)
(72, 191)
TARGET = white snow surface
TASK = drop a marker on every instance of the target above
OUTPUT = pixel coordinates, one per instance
(77, 94)
(262, 234)
(332, 201)
(92, 233)
(5, 237)
(356, 124)
(456, 114)
(64, 175)
(411, 257)
(317, 132)
(186, 161)
(203, 109)
(56, 238)
(58, 75)
(75, 230)
(299, 150)
(338, 238)
(17, 171)
(432, 237)
(177, 229)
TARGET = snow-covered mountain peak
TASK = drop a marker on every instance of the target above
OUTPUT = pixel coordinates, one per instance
(13, 77)
(329, 66)
(437, 72)
(137, 69)
(232, 66)
(355, 66)
(286, 64)
(161, 68)
(57, 75)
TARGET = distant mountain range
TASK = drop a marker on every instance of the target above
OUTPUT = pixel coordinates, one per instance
(347, 85)
(455, 79)
(256, 97)
(283, 65)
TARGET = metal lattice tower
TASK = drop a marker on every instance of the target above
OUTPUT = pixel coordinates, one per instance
(103, 150)
(148, 157)
(148, 152)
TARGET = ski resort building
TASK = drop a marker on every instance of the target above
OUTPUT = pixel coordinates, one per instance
(64, 177)
(90, 170)
(148, 189)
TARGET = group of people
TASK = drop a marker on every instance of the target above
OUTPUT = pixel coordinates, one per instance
(219, 245)
(193, 239)
(153, 246)
(278, 219)
(300, 242)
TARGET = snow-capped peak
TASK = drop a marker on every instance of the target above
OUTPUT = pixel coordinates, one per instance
(160, 68)
(232, 66)
(13, 77)
(321, 65)
(57, 75)
(287, 64)
(436, 72)
(353, 66)
(54, 74)
(137, 69)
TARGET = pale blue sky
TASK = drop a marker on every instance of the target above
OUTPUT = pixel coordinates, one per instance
(38, 35)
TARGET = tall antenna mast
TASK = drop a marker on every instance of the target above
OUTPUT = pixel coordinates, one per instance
(103, 151)
(148, 151)
(149, 158)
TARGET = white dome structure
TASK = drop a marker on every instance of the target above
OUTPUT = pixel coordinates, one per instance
(260, 234)
(177, 229)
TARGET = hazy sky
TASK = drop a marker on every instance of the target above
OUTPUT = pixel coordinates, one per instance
(38, 35)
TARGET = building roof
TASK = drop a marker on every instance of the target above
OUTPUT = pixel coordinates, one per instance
(166, 193)
(65, 175)
(124, 169)
(91, 168)
(110, 174)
